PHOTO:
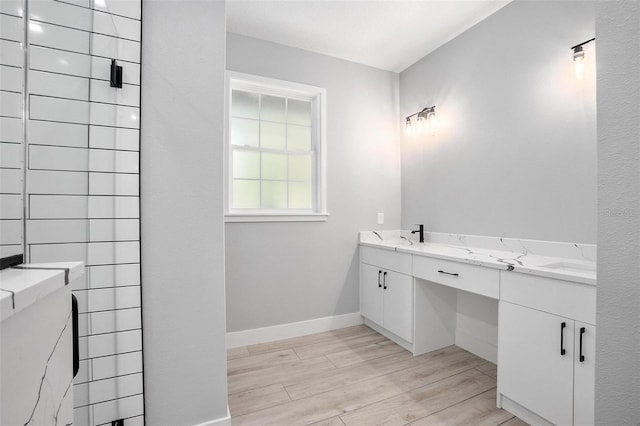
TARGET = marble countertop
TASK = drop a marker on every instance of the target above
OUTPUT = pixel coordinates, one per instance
(23, 285)
(566, 261)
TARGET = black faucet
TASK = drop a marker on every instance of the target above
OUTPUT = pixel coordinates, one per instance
(420, 231)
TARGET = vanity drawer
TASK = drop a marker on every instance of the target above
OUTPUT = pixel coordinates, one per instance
(471, 278)
(565, 298)
(386, 259)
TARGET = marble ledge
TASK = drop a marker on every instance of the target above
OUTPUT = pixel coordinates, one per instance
(23, 285)
(551, 259)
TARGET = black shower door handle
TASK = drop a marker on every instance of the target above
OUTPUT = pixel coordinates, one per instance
(76, 345)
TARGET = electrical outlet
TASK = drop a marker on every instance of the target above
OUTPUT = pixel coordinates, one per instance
(380, 218)
(119, 422)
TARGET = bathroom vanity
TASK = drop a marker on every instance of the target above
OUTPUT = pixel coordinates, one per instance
(545, 294)
(37, 346)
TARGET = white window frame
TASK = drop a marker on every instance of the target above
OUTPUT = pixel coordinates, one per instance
(264, 85)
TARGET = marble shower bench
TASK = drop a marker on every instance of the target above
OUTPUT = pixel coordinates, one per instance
(36, 347)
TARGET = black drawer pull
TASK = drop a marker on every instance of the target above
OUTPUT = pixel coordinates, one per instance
(562, 327)
(384, 280)
(379, 282)
(449, 273)
(582, 330)
(76, 345)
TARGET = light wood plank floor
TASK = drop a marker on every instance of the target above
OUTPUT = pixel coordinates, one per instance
(355, 376)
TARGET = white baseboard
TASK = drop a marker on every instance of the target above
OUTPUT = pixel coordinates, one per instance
(295, 329)
(222, 421)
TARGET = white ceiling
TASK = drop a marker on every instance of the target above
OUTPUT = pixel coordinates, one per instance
(386, 34)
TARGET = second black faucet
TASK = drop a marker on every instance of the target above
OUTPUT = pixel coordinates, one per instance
(419, 231)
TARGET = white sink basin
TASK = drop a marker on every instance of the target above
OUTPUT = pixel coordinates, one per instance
(571, 266)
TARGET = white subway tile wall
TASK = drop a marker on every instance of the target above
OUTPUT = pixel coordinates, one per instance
(11, 26)
(11, 128)
(10, 155)
(83, 184)
(10, 79)
(11, 206)
(10, 181)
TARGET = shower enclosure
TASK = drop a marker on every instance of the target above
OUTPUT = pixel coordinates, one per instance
(69, 178)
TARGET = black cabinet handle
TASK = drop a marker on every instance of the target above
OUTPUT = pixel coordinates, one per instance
(379, 283)
(582, 330)
(76, 345)
(563, 325)
(448, 273)
(384, 280)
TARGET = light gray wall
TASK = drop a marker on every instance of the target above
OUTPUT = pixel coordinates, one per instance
(182, 230)
(618, 305)
(279, 273)
(515, 151)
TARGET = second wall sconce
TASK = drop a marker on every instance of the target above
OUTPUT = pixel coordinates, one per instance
(425, 117)
(578, 57)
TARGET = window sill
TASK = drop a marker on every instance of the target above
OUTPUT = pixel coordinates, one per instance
(262, 217)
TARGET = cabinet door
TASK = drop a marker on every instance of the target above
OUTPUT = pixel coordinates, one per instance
(531, 369)
(371, 293)
(584, 375)
(398, 304)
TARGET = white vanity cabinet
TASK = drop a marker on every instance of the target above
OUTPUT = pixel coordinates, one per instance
(429, 296)
(371, 294)
(386, 290)
(546, 349)
(461, 276)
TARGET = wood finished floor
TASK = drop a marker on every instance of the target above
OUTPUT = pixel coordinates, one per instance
(355, 376)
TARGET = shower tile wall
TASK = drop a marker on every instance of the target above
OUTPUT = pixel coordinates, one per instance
(83, 187)
(11, 128)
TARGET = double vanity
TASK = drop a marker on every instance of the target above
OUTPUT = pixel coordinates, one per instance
(538, 297)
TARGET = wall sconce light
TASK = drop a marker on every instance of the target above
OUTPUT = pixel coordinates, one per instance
(426, 115)
(578, 57)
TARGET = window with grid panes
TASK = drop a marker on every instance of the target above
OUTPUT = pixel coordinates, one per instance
(275, 149)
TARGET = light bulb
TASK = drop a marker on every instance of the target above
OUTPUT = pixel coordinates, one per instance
(579, 69)
(578, 56)
(420, 123)
(432, 122)
(408, 126)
